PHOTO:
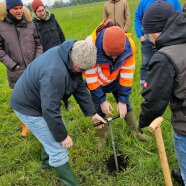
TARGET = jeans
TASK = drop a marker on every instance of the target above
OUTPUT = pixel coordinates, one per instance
(58, 155)
(180, 148)
(147, 50)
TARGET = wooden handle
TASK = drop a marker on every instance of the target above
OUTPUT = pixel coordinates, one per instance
(155, 127)
(155, 124)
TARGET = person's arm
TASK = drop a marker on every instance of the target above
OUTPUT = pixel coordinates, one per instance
(157, 89)
(5, 58)
(138, 21)
(38, 44)
(126, 16)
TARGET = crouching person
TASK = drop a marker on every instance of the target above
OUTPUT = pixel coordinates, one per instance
(53, 76)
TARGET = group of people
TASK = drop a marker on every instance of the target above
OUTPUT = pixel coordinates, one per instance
(43, 68)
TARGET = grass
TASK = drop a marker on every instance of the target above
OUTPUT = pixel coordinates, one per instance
(20, 158)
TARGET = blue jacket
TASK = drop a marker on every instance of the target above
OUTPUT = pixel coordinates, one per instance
(46, 81)
(143, 6)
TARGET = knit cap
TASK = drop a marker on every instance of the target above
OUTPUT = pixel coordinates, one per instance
(114, 40)
(156, 16)
(84, 54)
(36, 4)
(13, 3)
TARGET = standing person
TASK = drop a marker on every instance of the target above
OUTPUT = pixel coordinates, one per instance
(118, 10)
(166, 75)
(113, 73)
(55, 75)
(19, 41)
(147, 47)
(50, 32)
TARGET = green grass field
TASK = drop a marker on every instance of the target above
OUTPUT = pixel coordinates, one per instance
(20, 158)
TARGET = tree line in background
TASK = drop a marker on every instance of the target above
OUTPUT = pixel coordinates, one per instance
(60, 3)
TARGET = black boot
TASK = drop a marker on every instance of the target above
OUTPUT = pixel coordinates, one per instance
(44, 160)
(66, 174)
(176, 174)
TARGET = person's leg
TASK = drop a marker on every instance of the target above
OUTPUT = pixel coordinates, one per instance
(131, 120)
(147, 51)
(180, 148)
(58, 156)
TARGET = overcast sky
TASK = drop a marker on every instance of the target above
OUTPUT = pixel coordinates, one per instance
(46, 2)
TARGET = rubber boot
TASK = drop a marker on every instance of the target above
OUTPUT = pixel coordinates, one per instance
(24, 130)
(44, 159)
(66, 174)
(132, 123)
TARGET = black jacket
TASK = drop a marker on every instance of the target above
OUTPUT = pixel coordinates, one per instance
(50, 32)
(160, 83)
(46, 81)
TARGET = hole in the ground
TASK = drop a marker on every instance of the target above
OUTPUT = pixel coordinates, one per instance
(123, 163)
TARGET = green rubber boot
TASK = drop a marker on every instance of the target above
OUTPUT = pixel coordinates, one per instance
(66, 174)
(132, 123)
(44, 160)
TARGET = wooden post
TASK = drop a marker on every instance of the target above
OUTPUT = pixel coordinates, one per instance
(155, 127)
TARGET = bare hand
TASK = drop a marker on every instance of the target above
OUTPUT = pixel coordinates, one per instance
(142, 38)
(96, 118)
(122, 108)
(106, 107)
(67, 142)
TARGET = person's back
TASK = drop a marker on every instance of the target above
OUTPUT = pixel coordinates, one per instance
(52, 66)
(118, 10)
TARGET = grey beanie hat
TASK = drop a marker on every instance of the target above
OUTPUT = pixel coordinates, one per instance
(84, 54)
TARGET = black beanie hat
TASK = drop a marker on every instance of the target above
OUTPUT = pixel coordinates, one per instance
(13, 3)
(156, 16)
